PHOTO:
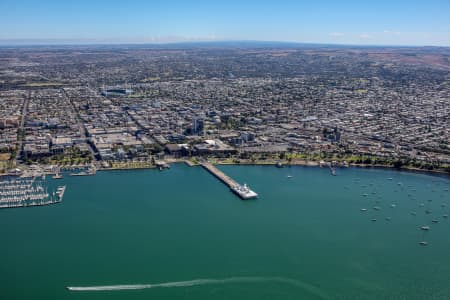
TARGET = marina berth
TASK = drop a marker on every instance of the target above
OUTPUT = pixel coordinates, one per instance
(24, 193)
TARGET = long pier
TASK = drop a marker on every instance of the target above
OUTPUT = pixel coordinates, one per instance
(219, 174)
(242, 191)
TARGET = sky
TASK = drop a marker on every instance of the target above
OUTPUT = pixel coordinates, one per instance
(363, 22)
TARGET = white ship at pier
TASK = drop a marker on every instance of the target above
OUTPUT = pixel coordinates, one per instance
(244, 191)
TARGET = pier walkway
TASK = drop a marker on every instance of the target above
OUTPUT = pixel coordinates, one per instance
(242, 191)
(219, 174)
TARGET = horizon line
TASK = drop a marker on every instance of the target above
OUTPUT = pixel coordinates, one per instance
(97, 42)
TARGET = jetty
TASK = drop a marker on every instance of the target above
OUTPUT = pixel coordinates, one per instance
(332, 169)
(242, 191)
(161, 165)
(89, 172)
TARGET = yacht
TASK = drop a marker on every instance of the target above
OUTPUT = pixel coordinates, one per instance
(82, 173)
(60, 192)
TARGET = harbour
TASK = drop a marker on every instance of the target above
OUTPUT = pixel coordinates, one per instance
(25, 193)
(146, 227)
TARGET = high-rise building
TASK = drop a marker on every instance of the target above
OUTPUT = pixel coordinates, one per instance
(197, 126)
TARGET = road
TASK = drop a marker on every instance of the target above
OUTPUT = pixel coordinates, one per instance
(20, 139)
(83, 132)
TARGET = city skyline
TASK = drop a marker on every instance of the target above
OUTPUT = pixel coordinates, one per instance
(381, 23)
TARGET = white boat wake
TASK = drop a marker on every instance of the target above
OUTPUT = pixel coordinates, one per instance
(196, 282)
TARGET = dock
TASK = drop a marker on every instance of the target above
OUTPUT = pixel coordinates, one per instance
(242, 191)
(332, 170)
(161, 165)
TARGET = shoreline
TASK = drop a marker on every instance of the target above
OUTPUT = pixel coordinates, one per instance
(303, 163)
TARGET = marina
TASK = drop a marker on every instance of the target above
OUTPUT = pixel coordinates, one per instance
(28, 192)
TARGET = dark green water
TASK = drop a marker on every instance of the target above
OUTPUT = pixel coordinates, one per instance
(304, 238)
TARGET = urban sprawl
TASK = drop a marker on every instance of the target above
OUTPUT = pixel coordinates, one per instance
(135, 106)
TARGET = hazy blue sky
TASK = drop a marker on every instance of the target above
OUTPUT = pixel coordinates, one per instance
(353, 22)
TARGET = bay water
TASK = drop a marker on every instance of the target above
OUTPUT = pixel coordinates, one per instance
(182, 234)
